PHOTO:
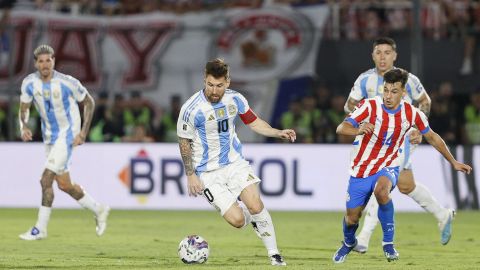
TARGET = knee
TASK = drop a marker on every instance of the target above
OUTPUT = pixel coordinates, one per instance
(237, 221)
(256, 208)
(406, 188)
(352, 219)
(382, 194)
(65, 187)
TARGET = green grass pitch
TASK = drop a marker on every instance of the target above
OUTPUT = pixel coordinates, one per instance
(149, 240)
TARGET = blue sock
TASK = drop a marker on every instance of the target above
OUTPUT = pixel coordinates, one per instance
(385, 215)
(349, 233)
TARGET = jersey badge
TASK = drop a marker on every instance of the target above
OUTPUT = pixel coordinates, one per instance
(220, 112)
(232, 110)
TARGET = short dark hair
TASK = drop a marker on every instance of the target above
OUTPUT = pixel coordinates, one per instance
(396, 75)
(217, 68)
(385, 40)
(43, 49)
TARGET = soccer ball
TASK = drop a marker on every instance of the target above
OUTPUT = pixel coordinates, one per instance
(193, 249)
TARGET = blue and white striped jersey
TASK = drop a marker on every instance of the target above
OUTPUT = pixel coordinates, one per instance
(211, 127)
(370, 84)
(56, 102)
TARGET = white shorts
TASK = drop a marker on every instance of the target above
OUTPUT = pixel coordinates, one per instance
(405, 154)
(224, 185)
(58, 157)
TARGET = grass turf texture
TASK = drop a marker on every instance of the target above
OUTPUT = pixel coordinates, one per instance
(149, 240)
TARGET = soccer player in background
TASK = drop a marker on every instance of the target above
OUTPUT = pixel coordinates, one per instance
(55, 96)
(212, 154)
(370, 84)
(381, 127)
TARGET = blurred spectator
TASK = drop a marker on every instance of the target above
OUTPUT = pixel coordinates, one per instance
(443, 113)
(322, 94)
(313, 114)
(295, 118)
(3, 121)
(167, 130)
(99, 118)
(473, 32)
(472, 118)
(114, 128)
(137, 112)
(335, 116)
(139, 134)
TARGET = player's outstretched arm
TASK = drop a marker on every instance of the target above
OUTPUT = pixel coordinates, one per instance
(88, 108)
(263, 128)
(194, 185)
(23, 115)
(436, 141)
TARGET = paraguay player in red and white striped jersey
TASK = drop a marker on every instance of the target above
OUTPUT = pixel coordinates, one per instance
(380, 126)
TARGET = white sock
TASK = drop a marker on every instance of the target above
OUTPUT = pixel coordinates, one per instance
(370, 221)
(247, 215)
(425, 199)
(43, 218)
(267, 232)
(89, 203)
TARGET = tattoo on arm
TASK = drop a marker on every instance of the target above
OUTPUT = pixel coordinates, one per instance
(186, 152)
(24, 114)
(88, 107)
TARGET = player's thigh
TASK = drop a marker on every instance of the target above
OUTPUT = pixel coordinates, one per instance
(234, 215)
(58, 157)
(216, 192)
(406, 181)
(250, 196)
(358, 192)
(64, 181)
(240, 175)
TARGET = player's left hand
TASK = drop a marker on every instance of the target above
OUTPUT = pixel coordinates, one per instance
(288, 134)
(79, 139)
(458, 166)
(415, 136)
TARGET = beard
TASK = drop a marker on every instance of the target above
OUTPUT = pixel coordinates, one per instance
(214, 98)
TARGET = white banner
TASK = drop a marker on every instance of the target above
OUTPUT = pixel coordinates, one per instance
(162, 54)
(150, 176)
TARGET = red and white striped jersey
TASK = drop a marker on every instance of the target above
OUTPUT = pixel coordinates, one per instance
(375, 151)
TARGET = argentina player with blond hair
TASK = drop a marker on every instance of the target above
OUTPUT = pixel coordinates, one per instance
(212, 154)
(56, 97)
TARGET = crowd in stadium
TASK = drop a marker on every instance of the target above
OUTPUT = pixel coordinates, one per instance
(131, 118)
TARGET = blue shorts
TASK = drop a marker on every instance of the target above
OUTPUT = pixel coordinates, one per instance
(360, 189)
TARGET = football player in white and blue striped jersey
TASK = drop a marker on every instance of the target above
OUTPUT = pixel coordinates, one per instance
(212, 154)
(370, 84)
(56, 97)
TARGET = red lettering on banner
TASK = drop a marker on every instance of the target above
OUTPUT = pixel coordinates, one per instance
(19, 48)
(74, 50)
(141, 53)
